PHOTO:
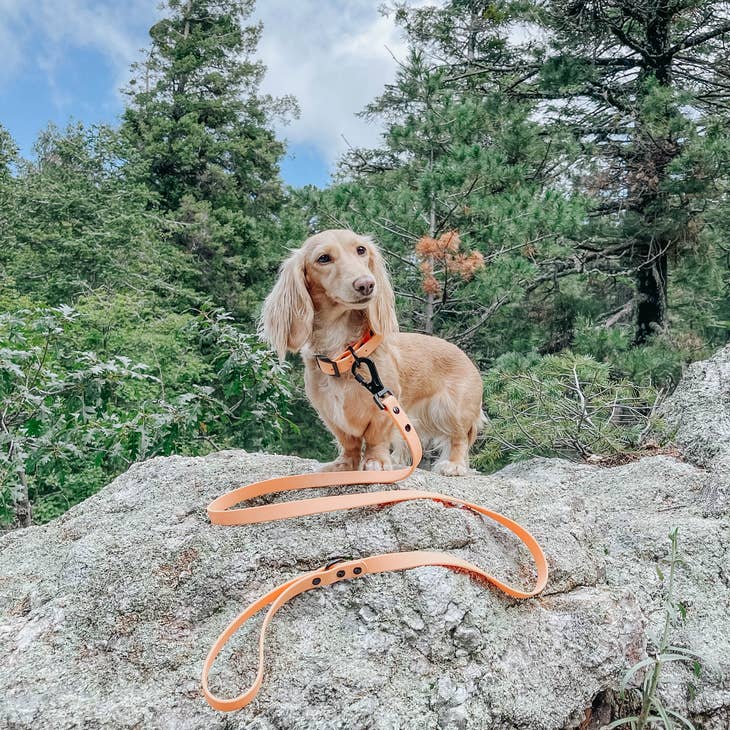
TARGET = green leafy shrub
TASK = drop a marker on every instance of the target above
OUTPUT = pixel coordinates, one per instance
(72, 419)
(565, 405)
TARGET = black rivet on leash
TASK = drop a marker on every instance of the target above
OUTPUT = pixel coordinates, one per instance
(340, 573)
(408, 426)
(316, 581)
(396, 410)
(357, 571)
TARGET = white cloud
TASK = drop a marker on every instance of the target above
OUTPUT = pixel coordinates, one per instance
(9, 41)
(334, 57)
(39, 34)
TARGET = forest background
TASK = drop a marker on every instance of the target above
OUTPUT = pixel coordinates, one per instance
(550, 191)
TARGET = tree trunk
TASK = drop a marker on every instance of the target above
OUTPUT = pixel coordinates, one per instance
(428, 315)
(651, 287)
(22, 510)
(19, 498)
(20, 504)
(651, 278)
(428, 311)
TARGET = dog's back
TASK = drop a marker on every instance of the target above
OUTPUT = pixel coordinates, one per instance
(441, 389)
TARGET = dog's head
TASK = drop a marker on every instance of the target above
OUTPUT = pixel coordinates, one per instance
(336, 269)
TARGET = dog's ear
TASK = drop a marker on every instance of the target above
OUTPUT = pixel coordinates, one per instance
(381, 311)
(288, 312)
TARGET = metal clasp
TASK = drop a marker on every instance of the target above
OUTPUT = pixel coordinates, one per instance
(374, 385)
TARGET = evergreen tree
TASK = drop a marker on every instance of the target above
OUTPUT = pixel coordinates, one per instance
(8, 200)
(642, 85)
(196, 118)
(8, 155)
(79, 222)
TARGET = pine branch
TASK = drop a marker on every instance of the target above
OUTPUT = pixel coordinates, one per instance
(700, 39)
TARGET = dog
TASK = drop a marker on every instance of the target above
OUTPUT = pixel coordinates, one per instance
(329, 292)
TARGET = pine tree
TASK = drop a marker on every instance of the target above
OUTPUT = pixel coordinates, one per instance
(8, 201)
(642, 85)
(75, 220)
(197, 118)
(8, 154)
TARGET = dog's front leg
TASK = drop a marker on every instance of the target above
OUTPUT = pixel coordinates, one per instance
(350, 452)
(377, 437)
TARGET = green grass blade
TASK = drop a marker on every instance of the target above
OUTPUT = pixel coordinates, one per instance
(686, 722)
(659, 707)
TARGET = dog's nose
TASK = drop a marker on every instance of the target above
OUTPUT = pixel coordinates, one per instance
(364, 285)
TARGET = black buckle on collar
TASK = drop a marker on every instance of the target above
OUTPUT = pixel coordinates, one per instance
(323, 358)
(374, 385)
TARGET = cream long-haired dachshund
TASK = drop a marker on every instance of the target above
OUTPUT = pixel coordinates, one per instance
(328, 293)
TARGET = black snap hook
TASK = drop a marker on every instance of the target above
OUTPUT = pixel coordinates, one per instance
(374, 385)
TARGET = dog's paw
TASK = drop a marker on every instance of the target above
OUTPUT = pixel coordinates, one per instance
(376, 465)
(449, 469)
(338, 465)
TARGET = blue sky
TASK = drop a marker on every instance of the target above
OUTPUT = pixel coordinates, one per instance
(67, 60)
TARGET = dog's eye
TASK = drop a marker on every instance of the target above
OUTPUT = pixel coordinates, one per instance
(325, 258)
(361, 250)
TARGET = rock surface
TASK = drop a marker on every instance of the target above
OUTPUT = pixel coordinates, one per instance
(107, 613)
(697, 417)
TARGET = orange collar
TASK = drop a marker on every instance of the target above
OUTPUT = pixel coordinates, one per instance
(365, 346)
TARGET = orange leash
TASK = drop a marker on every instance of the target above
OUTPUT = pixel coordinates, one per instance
(221, 512)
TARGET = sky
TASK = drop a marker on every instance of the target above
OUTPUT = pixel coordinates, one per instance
(65, 60)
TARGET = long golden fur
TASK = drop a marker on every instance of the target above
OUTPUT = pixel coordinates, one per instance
(328, 292)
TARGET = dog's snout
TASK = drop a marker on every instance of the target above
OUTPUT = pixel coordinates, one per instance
(364, 285)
